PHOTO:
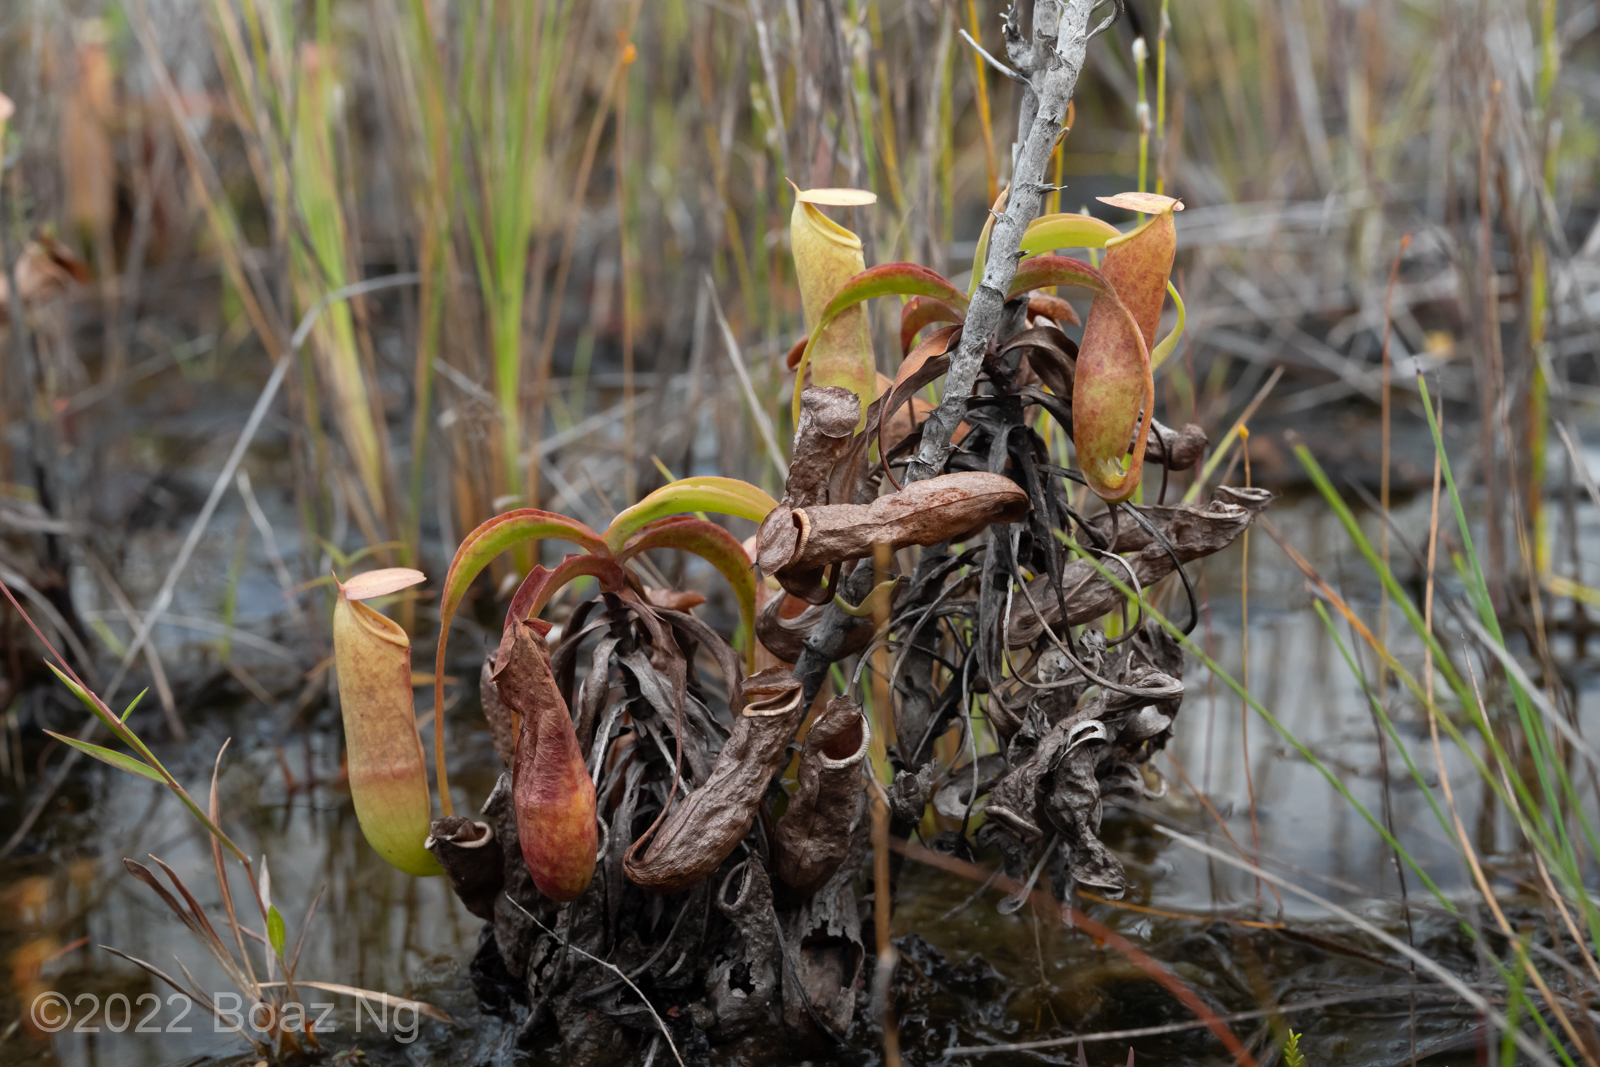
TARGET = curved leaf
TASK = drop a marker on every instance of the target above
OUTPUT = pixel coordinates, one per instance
(723, 496)
(1053, 308)
(922, 311)
(1040, 271)
(921, 367)
(1159, 354)
(541, 584)
(1067, 230)
(491, 538)
(889, 279)
(717, 547)
(980, 255)
(879, 599)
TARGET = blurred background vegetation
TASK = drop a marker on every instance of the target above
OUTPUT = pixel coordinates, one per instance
(562, 177)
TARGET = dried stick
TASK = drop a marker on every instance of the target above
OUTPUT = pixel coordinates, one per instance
(1060, 41)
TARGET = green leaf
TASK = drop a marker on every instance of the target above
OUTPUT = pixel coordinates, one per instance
(1292, 1056)
(499, 534)
(1049, 232)
(721, 496)
(1164, 347)
(84, 696)
(116, 759)
(980, 255)
(275, 930)
(133, 704)
(717, 547)
(890, 279)
(878, 598)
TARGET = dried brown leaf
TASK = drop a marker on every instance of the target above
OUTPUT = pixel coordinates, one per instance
(1054, 308)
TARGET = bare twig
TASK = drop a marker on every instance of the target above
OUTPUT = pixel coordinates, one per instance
(1060, 41)
(1579, 465)
(270, 541)
(991, 60)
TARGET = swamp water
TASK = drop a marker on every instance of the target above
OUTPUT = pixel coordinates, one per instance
(968, 975)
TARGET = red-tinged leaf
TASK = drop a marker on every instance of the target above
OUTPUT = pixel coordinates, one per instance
(1113, 391)
(890, 279)
(796, 350)
(1137, 265)
(1042, 271)
(717, 547)
(1053, 308)
(1049, 232)
(541, 584)
(722, 496)
(895, 279)
(920, 368)
(921, 311)
(1113, 396)
(483, 544)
